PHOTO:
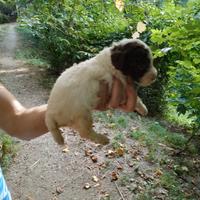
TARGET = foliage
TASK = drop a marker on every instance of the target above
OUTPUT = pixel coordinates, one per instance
(158, 145)
(7, 11)
(7, 150)
(72, 31)
(181, 24)
(28, 49)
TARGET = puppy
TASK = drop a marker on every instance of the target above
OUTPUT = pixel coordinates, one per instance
(74, 94)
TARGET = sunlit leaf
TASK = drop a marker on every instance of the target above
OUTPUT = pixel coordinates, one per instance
(141, 27)
(119, 5)
(135, 35)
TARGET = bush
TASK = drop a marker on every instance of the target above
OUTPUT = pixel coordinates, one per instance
(72, 31)
(181, 35)
(7, 11)
(3, 18)
(7, 150)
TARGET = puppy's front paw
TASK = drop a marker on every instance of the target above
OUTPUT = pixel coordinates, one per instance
(100, 139)
(141, 107)
(59, 139)
(143, 111)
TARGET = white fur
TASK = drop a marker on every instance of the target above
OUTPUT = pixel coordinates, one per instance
(74, 95)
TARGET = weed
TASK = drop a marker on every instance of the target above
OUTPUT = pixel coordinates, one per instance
(137, 134)
(113, 119)
(176, 140)
(122, 121)
(178, 119)
(28, 50)
(115, 144)
(170, 182)
(124, 180)
(7, 151)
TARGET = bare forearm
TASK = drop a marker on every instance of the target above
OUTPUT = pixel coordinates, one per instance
(18, 121)
(31, 123)
(27, 124)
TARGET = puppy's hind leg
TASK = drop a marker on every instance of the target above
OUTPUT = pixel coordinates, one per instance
(54, 129)
(84, 127)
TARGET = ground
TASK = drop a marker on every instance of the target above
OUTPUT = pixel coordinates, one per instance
(123, 169)
(40, 167)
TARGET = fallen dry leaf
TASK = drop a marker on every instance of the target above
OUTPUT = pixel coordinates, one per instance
(95, 178)
(88, 152)
(135, 128)
(119, 5)
(114, 176)
(120, 151)
(59, 190)
(96, 185)
(184, 168)
(102, 165)
(87, 186)
(65, 150)
(110, 153)
(104, 194)
(158, 172)
(29, 198)
(119, 167)
(94, 158)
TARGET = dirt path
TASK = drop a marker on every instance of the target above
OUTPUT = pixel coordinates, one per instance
(126, 169)
(41, 171)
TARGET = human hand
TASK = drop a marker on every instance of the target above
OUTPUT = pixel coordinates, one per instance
(120, 98)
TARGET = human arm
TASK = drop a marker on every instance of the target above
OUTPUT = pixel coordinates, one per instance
(29, 123)
(18, 121)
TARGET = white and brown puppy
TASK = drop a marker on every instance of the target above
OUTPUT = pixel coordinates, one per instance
(74, 94)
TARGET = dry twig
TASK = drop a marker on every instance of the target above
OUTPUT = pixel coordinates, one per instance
(119, 191)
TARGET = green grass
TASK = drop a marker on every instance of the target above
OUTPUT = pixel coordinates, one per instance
(7, 151)
(29, 50)
(180, 120)
(170, 182)
(118, 139)
(137, 135)
(160, 143)
(150, 132)
(114, 119)
(30, 56)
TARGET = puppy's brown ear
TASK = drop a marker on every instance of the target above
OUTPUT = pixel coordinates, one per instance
(117, 57)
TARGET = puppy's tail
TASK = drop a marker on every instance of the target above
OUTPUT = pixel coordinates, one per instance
(54, 129)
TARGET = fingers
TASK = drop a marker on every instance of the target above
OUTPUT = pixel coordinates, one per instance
(130, 104)
(118, 95)
(122, 97)
(103, 96)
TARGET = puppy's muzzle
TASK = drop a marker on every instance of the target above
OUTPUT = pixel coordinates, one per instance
(149, 77)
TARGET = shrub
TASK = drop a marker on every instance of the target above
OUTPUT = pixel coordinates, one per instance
(7, 11)
(181, 34)
(7, 150)
(72, 31)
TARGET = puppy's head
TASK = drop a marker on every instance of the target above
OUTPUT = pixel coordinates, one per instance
(134, 59)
